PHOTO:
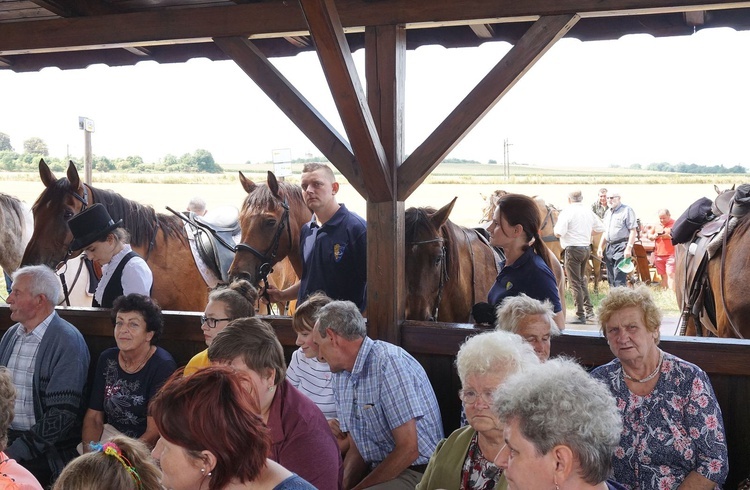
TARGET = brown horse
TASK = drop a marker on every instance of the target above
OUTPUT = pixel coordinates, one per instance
(727, 274)
(158, 238)
(271, 219)
(449, 268)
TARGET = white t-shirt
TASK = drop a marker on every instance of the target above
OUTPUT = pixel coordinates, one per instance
(313, 379)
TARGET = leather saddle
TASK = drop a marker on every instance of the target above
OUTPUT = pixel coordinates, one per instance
(214, 237)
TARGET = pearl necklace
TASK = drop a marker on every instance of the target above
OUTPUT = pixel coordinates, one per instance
(650, 376)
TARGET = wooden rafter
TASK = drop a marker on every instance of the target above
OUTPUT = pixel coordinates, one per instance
(346, 89)
(295, 106)
(534, 43)
(279, 19)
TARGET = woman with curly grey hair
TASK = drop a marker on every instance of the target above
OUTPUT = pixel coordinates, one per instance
(465, 459)
(674, 433)
(530, 318)
(561, 429)
(13, 476)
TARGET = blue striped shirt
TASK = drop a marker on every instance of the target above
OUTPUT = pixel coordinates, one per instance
(386, 388)
(22, 366)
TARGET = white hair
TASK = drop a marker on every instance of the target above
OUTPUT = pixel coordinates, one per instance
(494, 351)
(44, 281)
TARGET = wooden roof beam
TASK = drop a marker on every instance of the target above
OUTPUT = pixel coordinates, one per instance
(279, 19)
(292, 103)
(338, 67)
(483, 31)
(534, 43)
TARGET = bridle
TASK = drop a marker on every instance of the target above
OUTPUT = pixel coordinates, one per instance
(549, 217)
(443, 270)
(63, 265)
(268, 258)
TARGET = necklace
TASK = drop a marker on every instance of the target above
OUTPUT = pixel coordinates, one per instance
(139, 366)
(650, 376)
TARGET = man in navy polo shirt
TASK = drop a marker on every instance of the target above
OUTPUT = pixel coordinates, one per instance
(333, 244)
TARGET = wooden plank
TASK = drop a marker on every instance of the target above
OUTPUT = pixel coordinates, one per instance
(385, 270)
(279, 19)
(349, 97)
(488, 92)
(296, 107)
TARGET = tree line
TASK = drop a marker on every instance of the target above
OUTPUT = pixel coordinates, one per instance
(200, 161)
(691, 168)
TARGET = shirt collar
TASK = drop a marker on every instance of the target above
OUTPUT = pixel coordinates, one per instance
(364, 352)
(40, 329)
(335, 220)
(525, 257)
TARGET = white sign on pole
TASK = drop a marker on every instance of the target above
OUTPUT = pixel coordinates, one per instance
(282, 162)
(86, 124)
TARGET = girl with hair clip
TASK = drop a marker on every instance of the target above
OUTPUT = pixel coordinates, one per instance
(120, 464)
(515, 229)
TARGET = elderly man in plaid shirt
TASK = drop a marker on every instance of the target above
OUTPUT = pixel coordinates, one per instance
(384, 401)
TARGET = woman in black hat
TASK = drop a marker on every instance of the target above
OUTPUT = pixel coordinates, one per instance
(106, 242)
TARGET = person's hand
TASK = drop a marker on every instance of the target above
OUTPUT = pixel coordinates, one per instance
(336, 429)
(273, 295)
(628, 252)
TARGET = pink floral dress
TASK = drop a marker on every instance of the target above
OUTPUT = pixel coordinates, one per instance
(674, 430)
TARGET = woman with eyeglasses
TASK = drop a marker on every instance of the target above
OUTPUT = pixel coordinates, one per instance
(226, 302)
(464, 460)
(127, 376)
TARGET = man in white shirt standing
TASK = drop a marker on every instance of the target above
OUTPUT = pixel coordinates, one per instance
(574, 227)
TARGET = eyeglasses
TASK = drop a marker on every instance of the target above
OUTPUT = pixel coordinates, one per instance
(470, 397)
(612, 197)
(211, 322)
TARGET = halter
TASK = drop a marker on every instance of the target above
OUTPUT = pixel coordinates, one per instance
(549, 217)
(443, 270)
(267, 258)
(63, 265)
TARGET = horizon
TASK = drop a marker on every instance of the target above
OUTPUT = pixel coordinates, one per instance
(636, 100)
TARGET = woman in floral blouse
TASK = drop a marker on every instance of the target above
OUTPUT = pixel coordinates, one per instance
(464, 461)
(673, 431)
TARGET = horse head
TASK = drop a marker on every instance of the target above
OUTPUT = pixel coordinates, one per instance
(61, 200)
(426, 260)
(270, 219)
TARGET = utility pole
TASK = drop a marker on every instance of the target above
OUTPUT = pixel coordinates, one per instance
(506, 158)
(87, 125)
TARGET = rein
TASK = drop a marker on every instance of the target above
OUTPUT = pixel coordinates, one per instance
(63, 265)
(443, 270)
(268, 257)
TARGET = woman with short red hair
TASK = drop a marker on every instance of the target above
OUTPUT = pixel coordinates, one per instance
(211, 435)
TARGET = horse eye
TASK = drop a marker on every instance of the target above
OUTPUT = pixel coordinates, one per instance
(68, 214)
(271, 222)
(438, 259)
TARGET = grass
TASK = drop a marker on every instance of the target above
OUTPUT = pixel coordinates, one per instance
(664, 298)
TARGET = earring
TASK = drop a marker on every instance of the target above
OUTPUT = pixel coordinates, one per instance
(209, 474)
(203, 470)
(271, 388)
(554, 479)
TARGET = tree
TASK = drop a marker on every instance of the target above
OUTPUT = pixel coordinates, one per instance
(36, 146)
(5, 142)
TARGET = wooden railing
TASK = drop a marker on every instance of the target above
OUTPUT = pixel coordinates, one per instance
(435, 346)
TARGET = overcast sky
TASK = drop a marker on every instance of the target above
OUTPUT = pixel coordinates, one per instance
(634, 100)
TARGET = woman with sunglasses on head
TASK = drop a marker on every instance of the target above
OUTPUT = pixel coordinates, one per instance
(226, 302)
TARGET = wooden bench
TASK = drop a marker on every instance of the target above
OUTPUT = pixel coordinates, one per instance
(435, 346)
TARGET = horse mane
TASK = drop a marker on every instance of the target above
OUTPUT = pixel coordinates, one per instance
(419, 218)
(14, 205)
(263, 198)
(742, 225)
(138, 219)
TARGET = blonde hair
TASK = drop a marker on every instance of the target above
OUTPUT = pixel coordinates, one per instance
(7, 405)
(621, 297)
(92, 470)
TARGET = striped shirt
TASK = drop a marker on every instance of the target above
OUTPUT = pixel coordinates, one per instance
(313, 379)
(22, 366)
(386, 389)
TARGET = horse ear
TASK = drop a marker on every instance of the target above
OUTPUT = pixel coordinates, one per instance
(75, 180)
(247, 184)
(48, 178)
(441, 216)
(716, 188)
(273, 184)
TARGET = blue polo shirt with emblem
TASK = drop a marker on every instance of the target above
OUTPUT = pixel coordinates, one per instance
(334, 258)
(528, 275)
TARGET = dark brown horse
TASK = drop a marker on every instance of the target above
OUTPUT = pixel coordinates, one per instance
(271, 219)
(158, 238)
(727, 273)
(449, 268)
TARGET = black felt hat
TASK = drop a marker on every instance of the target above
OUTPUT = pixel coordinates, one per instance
(92, 224)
